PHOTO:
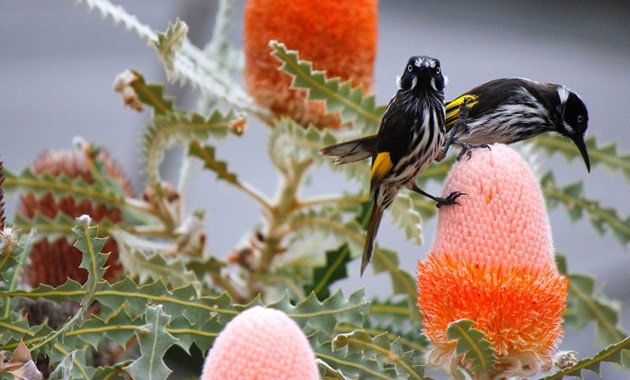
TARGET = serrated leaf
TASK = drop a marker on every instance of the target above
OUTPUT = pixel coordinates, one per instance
(176, 127)
(92, 260)
(352, 365)
(313, 315)
(606, 155)
(142, 260)
(151, 94)
(572, 197)
(406, 217)
(407, 364)
(471, 343)
(60, 186)
(154, 341)
(614, 353)
(291, 142)
(207, 156)
(60, 226)
(349, 102)
(397, 314)
(170, 42)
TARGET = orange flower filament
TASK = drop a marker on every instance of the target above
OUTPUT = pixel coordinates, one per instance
(493, 263)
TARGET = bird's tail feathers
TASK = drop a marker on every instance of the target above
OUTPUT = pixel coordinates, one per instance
(368, 249)
(351, 151)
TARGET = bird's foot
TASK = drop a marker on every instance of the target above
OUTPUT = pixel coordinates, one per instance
(451, 199)
(467, 149)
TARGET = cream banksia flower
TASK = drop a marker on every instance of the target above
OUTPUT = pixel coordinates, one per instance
(339, 37)
(493, 263)
(261, 344)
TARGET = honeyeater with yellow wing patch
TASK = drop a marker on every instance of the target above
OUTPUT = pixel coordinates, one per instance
(499, 111)
(409, 139)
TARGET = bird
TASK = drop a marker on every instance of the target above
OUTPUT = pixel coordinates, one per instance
(505, 111)
(410, 136)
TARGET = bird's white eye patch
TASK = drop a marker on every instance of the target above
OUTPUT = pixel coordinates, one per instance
(580, 119)
(438, 70)
(410, 68)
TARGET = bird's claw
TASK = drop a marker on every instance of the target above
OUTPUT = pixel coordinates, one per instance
(451, 199)
(467, 149)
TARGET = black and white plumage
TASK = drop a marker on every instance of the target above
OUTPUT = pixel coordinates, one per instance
(500, 111)
(410, 137)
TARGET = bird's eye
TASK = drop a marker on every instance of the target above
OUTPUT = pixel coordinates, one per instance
(580, 119)
(410, 68)
(438, 70)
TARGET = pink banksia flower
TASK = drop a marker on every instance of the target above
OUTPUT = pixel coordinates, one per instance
(339, 37)
(492, 262)
(261, 344)
(54, 261)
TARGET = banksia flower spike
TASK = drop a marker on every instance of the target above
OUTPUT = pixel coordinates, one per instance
(52, 262)
(336, 36)
(493, 263)
(261, 344)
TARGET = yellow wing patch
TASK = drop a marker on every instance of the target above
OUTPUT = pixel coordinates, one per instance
(380, 167)
(452, 108)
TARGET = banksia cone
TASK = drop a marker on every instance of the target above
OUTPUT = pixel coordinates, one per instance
(52, 262)
(261, 344)
(493, 263)
(336, 36)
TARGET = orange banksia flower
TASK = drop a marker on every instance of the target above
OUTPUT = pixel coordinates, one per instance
(493, 263)
(261, 344)
(337, 36)
(52, 262)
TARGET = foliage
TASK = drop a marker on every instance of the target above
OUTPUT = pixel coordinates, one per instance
(176, 293)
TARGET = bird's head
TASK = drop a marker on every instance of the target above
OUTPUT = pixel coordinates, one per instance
(574, 121)
(422, 72)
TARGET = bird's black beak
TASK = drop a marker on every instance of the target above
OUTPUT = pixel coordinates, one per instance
(578, 139)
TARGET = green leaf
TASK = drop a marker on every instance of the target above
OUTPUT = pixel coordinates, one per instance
(92, 260)
(614, 353)
(403, 282)
(407, 364)
(61, 186)
(586, 305)
(572, 197)
(170, 42)
(350, 365)
(176, 127)
(330, 221)
(405, 216)
(334, 269)
(152, 94)
(207, 156)
(606, 156)
(350, 103)
(53, 229)
(142, 259)
(313, 315)
(291, 142)
(154, 341)
(471, 343)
